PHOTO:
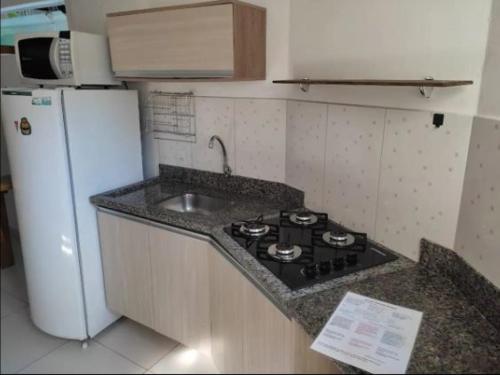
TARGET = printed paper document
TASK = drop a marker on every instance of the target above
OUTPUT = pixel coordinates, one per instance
(372, 335)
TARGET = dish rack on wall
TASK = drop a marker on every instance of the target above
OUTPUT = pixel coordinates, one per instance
(171, 116)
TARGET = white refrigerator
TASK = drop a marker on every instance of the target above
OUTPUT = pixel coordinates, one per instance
(64, 145)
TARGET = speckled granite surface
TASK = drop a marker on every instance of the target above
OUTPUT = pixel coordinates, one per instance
(279, 292)
(248, 198)
(454, 336)
(251, 187)
(476, 288)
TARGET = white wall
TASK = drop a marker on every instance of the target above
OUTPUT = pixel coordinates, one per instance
(394, 39)
(403, 39)
(478, 232)
(384, 171)
(489, 103)
(90, 16)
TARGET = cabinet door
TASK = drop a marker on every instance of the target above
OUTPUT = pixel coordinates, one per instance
(181, 288)
(267, 333)
(127, 267)
(226, 310)
(173, 42)
(306, 360)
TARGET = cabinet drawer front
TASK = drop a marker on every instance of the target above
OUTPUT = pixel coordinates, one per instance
(185, 42)
(127, 267)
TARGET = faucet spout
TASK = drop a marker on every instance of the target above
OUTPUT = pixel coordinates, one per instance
(225, 165)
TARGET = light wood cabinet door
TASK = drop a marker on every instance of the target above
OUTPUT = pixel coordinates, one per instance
(127, 267)
(249, 334)
(306, 360)
(209, 40)
(181, 288)
(226, 311)
(267, 335)
(195, 41)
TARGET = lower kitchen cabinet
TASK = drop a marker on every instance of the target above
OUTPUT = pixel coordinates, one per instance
(180, 288)
(127, 267)
(250, 334)
(186, 289)
(226, 313)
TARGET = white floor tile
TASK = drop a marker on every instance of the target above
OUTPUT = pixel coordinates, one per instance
(184, 361)
(22, 343)
(72, 359)
(13, 281)
(10, 304)
(136, 342)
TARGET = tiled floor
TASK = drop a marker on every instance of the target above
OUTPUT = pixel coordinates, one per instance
(125, 347)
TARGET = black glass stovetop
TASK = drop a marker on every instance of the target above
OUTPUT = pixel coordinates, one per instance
(319, 261)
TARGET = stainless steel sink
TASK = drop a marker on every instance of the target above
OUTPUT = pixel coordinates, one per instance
(195, 203)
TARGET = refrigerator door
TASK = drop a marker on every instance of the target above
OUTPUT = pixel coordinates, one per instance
(36, 145)
(105, 153)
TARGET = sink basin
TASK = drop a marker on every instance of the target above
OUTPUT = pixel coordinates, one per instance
(195, 203)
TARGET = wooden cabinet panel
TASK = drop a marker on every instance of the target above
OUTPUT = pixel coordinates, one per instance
(181, 288)
(127, 267)
(267, 333)
(306, 360)
(226, 312)
(187, 290)
(173, 41)
(211, 40)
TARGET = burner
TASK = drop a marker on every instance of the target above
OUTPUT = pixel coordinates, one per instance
(254, 229)
(338, 239)
(303, 218)
(302, 247)
(284, 252)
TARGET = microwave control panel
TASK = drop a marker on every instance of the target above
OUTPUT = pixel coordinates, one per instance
(64, 56)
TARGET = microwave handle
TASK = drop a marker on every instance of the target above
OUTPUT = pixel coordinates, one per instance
(54, 57)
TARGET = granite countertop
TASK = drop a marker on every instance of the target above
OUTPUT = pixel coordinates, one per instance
(453, 338)
(454, 335)
(249, 198)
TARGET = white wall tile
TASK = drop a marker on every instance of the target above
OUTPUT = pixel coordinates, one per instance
(353, 150)
(421, 179)
(305, 150)
(214, 116)
(175, 153)
(478, 234)
(260, 138)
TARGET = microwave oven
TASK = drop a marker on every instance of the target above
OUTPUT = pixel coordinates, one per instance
(64, 58)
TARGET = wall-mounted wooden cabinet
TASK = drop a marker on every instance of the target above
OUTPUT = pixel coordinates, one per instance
(219, 40)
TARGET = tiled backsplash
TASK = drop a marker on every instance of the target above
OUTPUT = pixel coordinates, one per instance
(354, 138)
(390, 173)
(305, 150)
(253, 131)
(421, 179)
(260, 138)
(478, 234)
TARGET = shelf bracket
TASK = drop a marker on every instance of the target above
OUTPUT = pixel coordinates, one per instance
(426, 91)
(304, 86)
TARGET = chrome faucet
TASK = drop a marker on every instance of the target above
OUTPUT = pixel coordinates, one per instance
(225, 166)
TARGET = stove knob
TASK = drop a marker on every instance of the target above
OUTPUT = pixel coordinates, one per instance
(325, 267)
(338, 264)
(311, 271)
(352, 259)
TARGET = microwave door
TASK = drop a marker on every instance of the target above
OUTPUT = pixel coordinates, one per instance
(36, 57)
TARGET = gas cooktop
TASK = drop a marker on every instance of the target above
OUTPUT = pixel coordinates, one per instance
(303, 248)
